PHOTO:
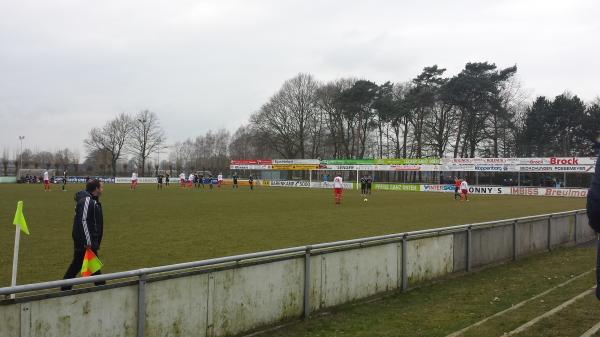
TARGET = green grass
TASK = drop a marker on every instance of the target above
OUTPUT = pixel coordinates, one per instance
(446, 306)
(147, 228)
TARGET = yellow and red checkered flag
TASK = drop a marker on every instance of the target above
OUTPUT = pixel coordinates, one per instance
(91, 263)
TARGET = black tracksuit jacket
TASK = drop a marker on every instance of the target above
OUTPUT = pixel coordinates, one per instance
(593, 201)
(88, 222)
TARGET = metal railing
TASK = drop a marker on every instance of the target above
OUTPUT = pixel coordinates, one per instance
(141, 276)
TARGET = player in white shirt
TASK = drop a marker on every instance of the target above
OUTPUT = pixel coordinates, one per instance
(134, 180)
(338, 186)
(191, 180)
(46, 181)
(464, 189)
(219, 179)
(182, 179)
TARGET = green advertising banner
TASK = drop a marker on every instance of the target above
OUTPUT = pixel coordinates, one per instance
(391, 161)
(397, 187)
(408, 161)
(348, 162)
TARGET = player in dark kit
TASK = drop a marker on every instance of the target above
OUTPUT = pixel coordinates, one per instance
(167, 179)
(64, 182)
(201, 180)
(363, 186)
(210, 181)
(456, 188)
(160, 182)
(251, 182)
(196, 181)
(235, 181)
(369, 184)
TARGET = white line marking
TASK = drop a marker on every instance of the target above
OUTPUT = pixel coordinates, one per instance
(518, 305)
(591, 331)
(549, 313)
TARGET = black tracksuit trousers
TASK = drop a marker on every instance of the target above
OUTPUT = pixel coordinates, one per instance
(76, 264)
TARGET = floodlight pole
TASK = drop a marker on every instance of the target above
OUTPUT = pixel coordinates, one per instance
(21, 153)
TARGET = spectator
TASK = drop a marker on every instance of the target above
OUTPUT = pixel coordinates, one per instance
(593, 212)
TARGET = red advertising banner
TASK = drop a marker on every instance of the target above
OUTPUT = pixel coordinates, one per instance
(252, 162)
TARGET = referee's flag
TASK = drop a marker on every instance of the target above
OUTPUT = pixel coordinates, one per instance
(91, 263)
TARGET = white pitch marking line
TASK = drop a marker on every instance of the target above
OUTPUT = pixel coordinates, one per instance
(591, 331)
(550, 313)
(518, 305)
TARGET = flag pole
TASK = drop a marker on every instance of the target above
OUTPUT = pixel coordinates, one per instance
(15, 259)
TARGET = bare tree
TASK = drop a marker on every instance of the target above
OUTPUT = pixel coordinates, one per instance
(147, 137)
(5, 162)
(111, 138)
(287, 120)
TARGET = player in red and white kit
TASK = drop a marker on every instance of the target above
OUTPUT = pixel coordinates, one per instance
(190, 183)
(182, 179)
(464, 189)
(338, 185)
(46, 181)
(219, 179)
(134, 180)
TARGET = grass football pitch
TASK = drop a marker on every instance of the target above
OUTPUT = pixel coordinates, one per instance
(146, 227)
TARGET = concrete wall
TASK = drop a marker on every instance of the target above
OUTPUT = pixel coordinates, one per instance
(353, 274)
(584, 231)
(460, 251)
(429, 258)
(563, 229)
(532, 236)
(491, 245)
(237, 300)
(177, 307)
(10, 316)
(109, 313)
(248, 297)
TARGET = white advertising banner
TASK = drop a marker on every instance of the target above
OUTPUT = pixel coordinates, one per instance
(557, 168)
(290, 183)
(329, 184)
(550, 192)
(142, 180)
(550, 164)
(250, 167)
(504, 190)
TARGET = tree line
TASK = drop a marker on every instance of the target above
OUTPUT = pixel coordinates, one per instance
(139, 136)
(481, 111)
(33, 159)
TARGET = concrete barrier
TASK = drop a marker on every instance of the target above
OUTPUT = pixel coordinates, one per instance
(429, 258)
(177, 307)
(111, 312)
(350, 275)
(489, 245)
(234, 295)
(532, 236)
(246, 298)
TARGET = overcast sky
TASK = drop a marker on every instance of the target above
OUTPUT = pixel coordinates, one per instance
(66, 66)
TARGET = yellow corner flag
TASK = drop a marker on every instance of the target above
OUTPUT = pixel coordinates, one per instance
(20, 218)
(91, 263)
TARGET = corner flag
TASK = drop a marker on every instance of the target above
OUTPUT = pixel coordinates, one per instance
(20, 218)
(20, 222)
